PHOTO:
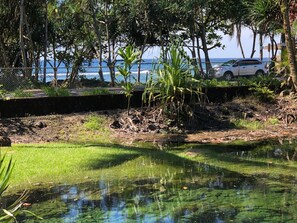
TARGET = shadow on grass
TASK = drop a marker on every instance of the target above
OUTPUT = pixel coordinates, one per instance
(167, 157)
(133, 152)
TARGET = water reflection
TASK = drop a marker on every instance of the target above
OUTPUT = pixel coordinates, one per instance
(192, 193)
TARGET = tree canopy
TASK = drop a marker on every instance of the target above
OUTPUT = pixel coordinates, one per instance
(86, 29)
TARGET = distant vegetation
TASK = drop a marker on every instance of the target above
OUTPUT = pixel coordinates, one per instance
(75, 32)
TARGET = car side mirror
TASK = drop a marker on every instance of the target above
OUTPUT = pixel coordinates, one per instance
(234, 65)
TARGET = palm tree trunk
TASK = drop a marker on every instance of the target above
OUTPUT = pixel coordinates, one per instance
(289, 43)
(254, 43)
(238, 37)
(261, 46)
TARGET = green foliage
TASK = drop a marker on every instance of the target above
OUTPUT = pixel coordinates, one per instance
(170, 82)
(216, 83)
(20, 93)
(253, 124)
(247, 124)
(8, 214)
(56, 91)
(263, 87)
(264, 94)
(98, 91)
(273, 121)
(2, 92)
(95, 122)
(130, 57)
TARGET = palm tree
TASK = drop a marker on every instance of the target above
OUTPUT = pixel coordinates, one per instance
(285, 9)
(265, 15)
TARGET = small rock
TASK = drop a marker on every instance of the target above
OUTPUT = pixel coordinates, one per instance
(40, 125)
(116, 125)
(152, 127)
(5, 141)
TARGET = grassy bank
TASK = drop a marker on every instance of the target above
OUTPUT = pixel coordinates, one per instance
(37, 164)
(59, 163)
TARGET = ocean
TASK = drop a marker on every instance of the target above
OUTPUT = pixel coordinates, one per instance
(90, 70)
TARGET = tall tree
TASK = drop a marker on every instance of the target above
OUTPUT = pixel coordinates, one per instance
(290, 43)
(209, 17)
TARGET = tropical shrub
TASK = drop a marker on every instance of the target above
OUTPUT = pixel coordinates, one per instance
(2, 92)
(56, 92)
(130, 57)
(20, 93)
(171, 81)
(98, 91)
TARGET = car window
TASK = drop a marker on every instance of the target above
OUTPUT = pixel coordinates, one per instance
(242, 63)
(228, 63)
(249, 62)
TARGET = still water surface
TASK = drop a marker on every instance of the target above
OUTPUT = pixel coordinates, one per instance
(186, 191)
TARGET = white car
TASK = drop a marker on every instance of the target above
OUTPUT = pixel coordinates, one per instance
(238, 68)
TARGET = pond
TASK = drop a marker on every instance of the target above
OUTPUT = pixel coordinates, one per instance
(185, 189)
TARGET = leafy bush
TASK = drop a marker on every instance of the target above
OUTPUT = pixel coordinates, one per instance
(20, 93)
(2, 92)
(98, 91)
(216, 83)
(264, 94)
(170, 81)
(56, 92)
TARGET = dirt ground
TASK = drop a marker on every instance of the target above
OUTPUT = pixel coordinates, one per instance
(212, 124)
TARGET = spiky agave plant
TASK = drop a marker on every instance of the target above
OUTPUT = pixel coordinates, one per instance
(171, 81)
(8, 214)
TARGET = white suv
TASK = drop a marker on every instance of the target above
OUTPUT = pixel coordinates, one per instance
(238, 68)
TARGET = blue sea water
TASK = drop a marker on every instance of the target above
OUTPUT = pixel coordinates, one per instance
(90, 70)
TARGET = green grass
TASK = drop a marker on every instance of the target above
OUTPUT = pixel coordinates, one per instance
(61, 163)
(96, 122)
(98, 91)
(247, 124)
(254, 124)
(20, 93)
(258, 159)
(42, 165)
(56, 92)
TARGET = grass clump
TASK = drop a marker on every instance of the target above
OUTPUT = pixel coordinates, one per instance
(97, 91)
(273, 121)
(56, 92)
(247, 124)
(20, 93)
(95, 122)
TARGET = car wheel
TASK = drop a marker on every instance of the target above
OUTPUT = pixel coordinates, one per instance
(228, 76)
(259, 73)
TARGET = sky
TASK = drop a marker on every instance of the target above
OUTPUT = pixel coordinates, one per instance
(231, 49)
